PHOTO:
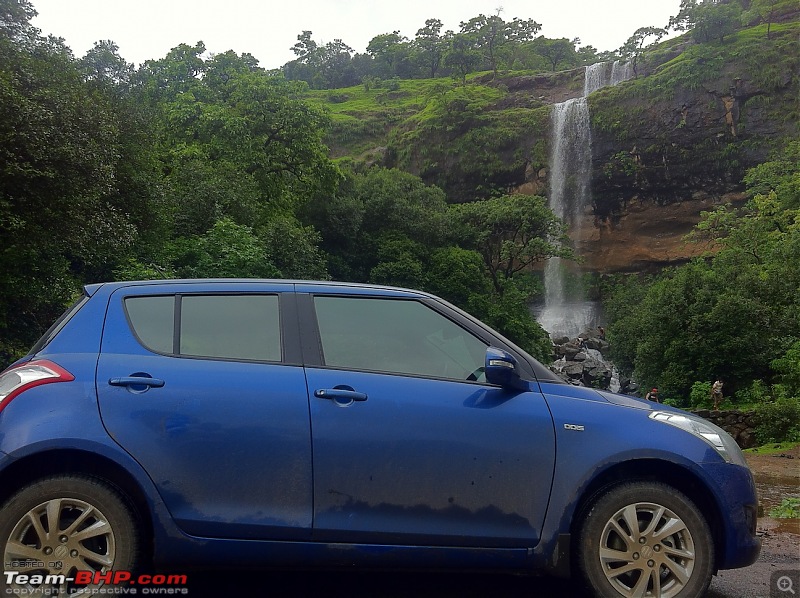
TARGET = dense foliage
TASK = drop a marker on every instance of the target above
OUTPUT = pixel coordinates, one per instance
(734, 314)
(195, 165)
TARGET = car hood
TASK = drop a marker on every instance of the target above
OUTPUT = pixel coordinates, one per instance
(592, 394)
(628, 401)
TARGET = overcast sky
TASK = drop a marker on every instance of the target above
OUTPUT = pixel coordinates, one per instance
(148, 29)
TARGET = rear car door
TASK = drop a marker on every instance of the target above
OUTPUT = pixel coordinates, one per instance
(203, 386)
(409, 446)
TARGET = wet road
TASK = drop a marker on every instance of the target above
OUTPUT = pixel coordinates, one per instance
(752, 582)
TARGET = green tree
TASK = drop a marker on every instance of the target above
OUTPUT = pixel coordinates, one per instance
(241, 143)
(336, 66)
(685, 17)
(787, 367)
(15, 19)
(715, 20)
(556, 51)
(430, 47)
(327, 66)
(306, 48)
(642, 39)
(518, 33)
(461, 56)
(180, 71)
(389, 50)
(491, 35)
(372, 213)
(103, 63)
(708, 19)
(761, 11)
(512, 233)
(227, 250)
(58, 160)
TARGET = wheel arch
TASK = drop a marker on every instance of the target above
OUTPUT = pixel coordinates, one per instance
(654, 470)
(38, 466)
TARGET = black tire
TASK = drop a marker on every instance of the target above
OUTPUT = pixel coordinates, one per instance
(645, 539)
(96, 532)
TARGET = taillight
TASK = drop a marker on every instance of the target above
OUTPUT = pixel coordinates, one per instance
(19, 378)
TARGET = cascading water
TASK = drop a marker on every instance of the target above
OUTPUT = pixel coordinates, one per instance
(569, 192)
(570, 195)
(620, 71)
(596, 77)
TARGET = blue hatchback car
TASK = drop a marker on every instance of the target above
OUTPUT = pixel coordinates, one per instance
(283, 423)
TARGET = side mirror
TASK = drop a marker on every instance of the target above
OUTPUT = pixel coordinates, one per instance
(501, 369)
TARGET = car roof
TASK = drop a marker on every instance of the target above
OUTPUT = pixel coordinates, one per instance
(91, 289)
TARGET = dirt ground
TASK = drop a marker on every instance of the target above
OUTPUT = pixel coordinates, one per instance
(777, 477)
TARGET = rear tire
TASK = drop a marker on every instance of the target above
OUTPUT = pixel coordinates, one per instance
(64, 524)
(646, 539)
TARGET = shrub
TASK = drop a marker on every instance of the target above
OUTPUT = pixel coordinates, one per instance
(778, 421)
(757, 392)
(700, 396)
(788, 509)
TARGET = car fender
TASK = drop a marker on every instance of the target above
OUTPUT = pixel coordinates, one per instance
(594, 437)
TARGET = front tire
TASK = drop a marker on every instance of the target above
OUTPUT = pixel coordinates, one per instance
(64, 524)
(646, 539)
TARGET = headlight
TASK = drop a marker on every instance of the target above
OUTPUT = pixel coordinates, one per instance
(713, 435)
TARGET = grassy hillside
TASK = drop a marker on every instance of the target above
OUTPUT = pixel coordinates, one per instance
(697, 113)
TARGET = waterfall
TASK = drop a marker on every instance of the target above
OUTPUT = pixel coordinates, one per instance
(620, 71)
(596, 77)
(570, 194)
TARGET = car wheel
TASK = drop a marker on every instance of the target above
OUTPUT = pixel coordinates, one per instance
(646, 539)
(61, 525)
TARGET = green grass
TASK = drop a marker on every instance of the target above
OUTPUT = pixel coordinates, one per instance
(773, 448)
(788, 509)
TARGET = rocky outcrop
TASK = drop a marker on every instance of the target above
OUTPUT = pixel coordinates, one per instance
(581, 361)
(678, 141)
(645, 234)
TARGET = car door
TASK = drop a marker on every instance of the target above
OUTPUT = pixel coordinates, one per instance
(409, 446)
(202, 386)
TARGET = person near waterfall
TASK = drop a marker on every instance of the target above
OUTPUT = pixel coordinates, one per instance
(653, 396)
(716, 393)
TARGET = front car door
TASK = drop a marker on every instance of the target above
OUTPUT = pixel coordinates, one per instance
(202, 385)
(410, 447)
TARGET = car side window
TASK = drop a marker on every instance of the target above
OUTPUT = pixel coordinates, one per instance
(153, 320)
(243, 327)
(398, 336)
(233, 326)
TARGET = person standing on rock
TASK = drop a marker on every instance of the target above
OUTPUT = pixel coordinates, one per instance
(716, 393)
(653, 396)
